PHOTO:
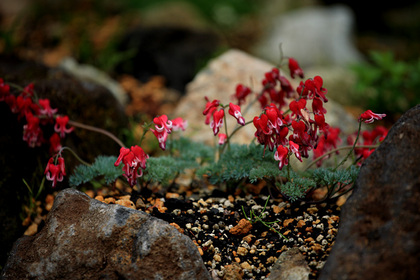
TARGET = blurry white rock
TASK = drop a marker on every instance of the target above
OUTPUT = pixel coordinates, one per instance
(218, 81)
(313, 35)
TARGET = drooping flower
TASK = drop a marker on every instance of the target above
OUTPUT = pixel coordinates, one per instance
(55, 173)
(370, 117)
(295, 68)
(241, 92)
(32, 133)
(179, 124)
(210, 106)
(46, 109)
(161, 136)
(4, 90)
(281, 155)
(134, 160)
(235, 111)
(162, 123)
(60, 125)
(55, 143)
(222, 138)
(217, 121)
(297, 106)
(294, 148)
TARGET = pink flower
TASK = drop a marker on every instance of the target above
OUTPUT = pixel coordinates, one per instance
(281, 155)
(295, 68)
(370, 117)
(54, 172)
(32, 133)
(162, 123)
(134, 161)
(46, 108)
(179, 124)
(235, 111)
(60, 125)
(217, 121)
(222, 138)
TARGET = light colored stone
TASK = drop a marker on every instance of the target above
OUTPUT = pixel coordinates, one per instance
(313, 35)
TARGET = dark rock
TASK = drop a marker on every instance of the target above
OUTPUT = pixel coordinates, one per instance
(87, 239)
(378, 236)
(176, 53)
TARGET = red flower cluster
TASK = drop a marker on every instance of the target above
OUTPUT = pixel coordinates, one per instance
(36, 113)
(134, 160)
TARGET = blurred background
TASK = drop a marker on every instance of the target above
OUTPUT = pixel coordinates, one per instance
(369, 51)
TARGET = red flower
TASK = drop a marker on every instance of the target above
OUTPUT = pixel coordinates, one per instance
(370, 117)
(161, 136)
(55, 144)
(313, 88)
(217, 121)
(210, 106)
(235, 111)
(295, 149)
(222, 138)
(60, 125)
(162, 123)
(295, 68)
(241, 92)
(46, 109)
(281, 155)
(32, 133)
(54, 172)
(297, 106)
(4, 90)
(317, 106)
(134, 161)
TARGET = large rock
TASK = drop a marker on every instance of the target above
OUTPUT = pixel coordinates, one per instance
(218, 81)
(313, 35)
(378, 237)
(87, 239)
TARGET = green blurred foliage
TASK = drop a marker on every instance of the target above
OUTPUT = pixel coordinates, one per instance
(386, 85)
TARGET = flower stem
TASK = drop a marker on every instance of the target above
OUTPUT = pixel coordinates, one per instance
(352, 149)
(74, 154)
(338, 149)
(96, 129)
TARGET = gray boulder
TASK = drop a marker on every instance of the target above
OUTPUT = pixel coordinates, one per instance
(87, 239)
(378, 237)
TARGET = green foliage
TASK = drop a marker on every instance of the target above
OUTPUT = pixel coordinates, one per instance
(297, 187)
(386, 85)
(102, 167)
(242, 161)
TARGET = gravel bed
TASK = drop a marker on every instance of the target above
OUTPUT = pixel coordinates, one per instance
(218, 223)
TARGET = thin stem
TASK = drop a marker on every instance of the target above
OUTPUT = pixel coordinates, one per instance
(226, 132)
(74, 154)
(96, 129)
(354, 145)
(338, 149)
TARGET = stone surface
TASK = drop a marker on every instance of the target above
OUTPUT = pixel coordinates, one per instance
(291, 265)
(380, 223)
(87, 239)
(218, 81)
(313, 35)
